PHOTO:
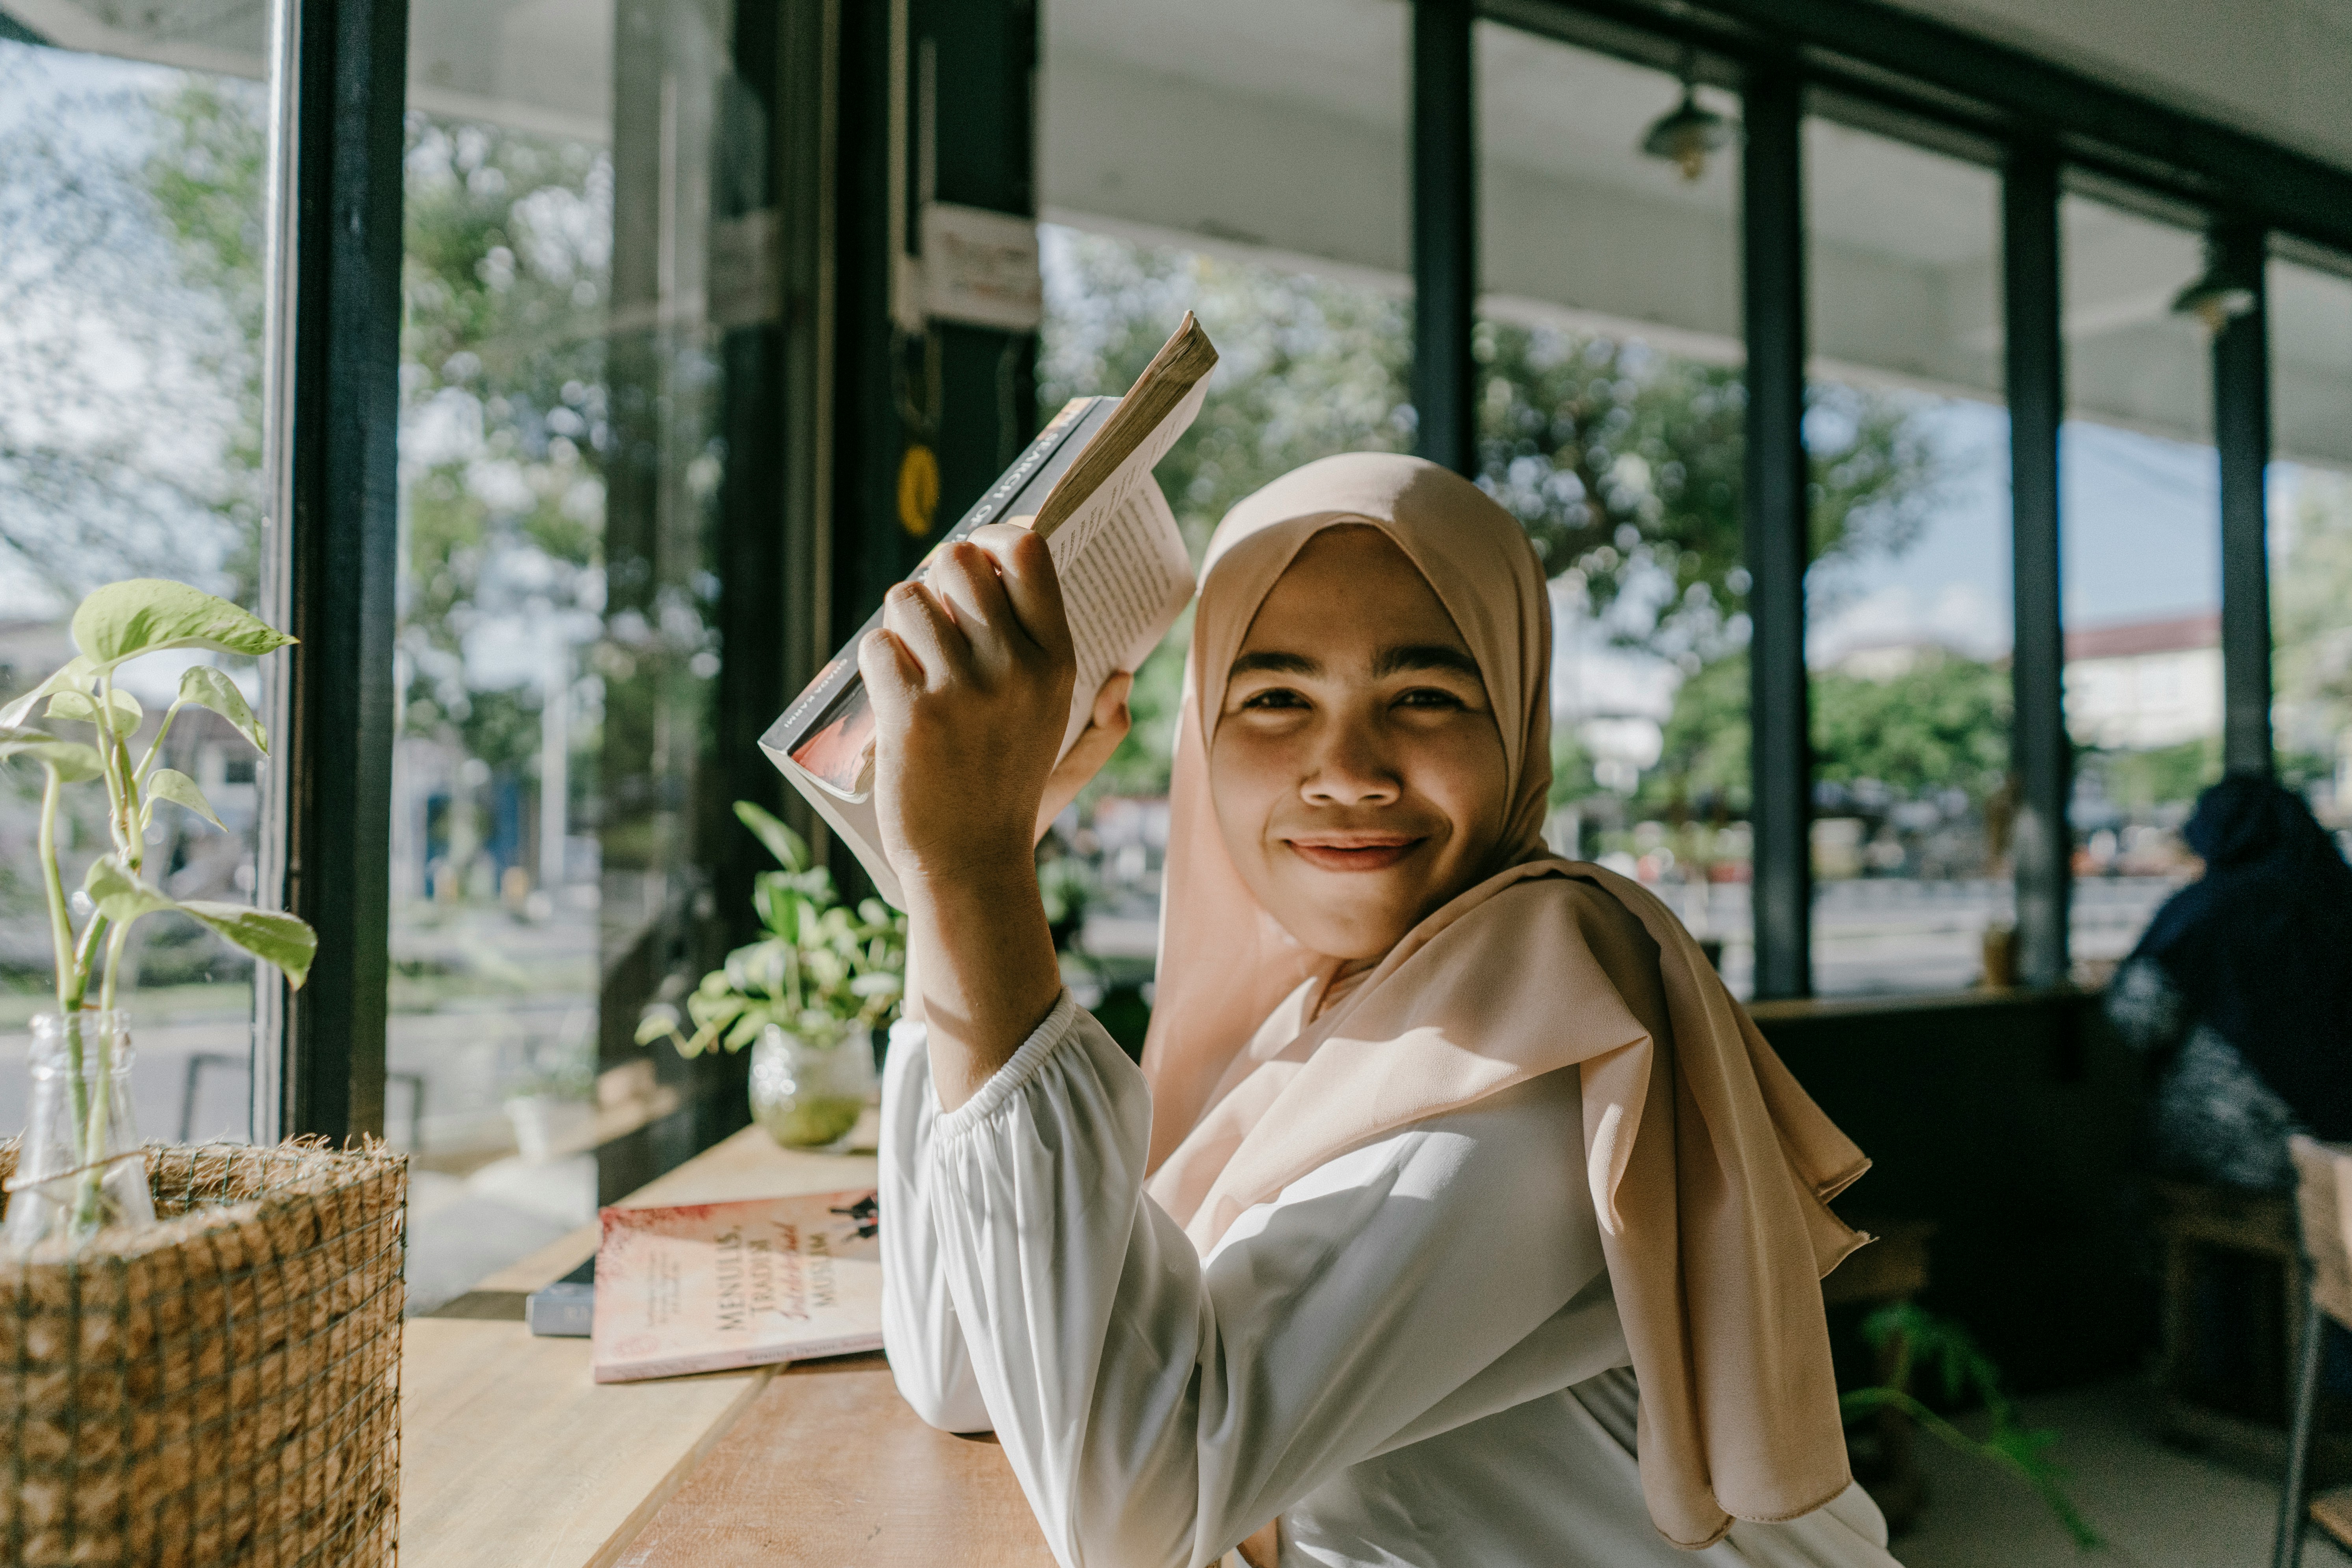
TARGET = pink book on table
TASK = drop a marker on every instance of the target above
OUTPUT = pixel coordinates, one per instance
(706, 1287)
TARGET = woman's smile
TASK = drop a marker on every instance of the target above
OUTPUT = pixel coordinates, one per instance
(1354, 851)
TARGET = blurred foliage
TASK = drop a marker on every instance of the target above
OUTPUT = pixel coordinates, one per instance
(1915, 1341)
(1703, 759)
(2311, 578)
(822, 971)
(1626, 468)
(1941, 724)
(129, 376)
(2136, 782)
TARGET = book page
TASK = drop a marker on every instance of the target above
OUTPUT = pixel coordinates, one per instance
(1125, 577)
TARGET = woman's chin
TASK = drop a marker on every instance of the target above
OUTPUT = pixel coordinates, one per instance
(1343, 915)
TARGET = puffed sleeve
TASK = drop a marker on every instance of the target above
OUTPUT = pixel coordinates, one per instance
(1158, 1408)
(920, 1330)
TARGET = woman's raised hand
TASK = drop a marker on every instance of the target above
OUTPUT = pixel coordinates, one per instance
(969, 677)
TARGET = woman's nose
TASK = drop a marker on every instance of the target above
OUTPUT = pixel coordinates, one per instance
(1349, 769)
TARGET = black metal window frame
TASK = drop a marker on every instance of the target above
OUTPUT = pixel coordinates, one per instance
(2046, 129)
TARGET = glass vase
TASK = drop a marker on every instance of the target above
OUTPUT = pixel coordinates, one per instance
(809, 1094)
(79, 1169)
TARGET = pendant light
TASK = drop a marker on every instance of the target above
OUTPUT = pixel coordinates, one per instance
(1686, 133)
(2217, 297)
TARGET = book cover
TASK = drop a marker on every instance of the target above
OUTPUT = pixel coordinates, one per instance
(707, 1287)
(828, 729)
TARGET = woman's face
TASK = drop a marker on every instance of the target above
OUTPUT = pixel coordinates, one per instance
(1357, 769)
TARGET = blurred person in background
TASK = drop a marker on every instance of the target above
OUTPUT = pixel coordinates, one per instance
(2242, 991)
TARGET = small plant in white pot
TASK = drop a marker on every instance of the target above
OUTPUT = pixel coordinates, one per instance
(805, 997)
(81, 1169)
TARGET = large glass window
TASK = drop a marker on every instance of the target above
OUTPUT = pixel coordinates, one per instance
(131, 194)
(1611, 420)
(1908, 619)
(583, 224)
(2142, 567)
(1248, 164)
(2311, 535)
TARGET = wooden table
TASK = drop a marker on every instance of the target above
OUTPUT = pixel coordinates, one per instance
(511, 1457)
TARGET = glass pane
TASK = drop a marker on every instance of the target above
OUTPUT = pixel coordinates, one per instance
(1908, 601)
(1611, 421)
(2142, 539)
(560, 467)
(131, 193)
(1248, 164)
(2311, 536)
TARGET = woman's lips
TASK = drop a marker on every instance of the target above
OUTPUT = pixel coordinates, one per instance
(1353, 853)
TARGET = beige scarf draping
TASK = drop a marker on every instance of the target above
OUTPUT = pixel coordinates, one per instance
(1709, 1167)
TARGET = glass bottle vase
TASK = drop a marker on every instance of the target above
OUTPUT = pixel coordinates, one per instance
(809, 1094)
(79, 1169)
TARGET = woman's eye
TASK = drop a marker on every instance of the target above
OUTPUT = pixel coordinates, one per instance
(1275, 696)
(1428, 697)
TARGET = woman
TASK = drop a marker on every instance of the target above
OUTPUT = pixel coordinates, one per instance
(1365, 1274)
(2241, 988)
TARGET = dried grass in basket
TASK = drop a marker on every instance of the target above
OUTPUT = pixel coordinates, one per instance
(223, 1389)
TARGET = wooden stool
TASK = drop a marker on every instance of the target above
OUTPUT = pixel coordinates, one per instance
(2192, 1219)
(1890, 1270)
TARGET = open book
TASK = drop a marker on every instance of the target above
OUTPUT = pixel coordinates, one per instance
(1084, 486)
(706, 1287)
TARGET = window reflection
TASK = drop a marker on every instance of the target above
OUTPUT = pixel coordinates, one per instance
(557, 651)
(130, 318)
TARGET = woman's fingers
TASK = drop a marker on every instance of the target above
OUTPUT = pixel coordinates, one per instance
(925, 633)
(964, 579)
(1110, 703)
(1026, 567)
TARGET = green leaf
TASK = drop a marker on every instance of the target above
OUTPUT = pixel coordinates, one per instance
(170, 783)
(124, 620)
(284, 942)
(209, 688)
(73, 762)
(121, 896)
(790, 848)
(83, 706)
(77, 674)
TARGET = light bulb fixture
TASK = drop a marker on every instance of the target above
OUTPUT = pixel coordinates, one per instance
(2217, 297)
(1685, 134)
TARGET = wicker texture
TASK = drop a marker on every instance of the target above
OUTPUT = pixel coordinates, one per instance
(220, 1390)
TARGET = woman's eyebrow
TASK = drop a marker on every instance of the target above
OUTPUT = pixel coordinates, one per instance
(1276, 661)
(1424, 655)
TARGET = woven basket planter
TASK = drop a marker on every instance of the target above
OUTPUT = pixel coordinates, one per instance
(221, 1390)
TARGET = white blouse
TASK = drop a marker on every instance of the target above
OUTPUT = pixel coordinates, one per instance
(1410, 1356)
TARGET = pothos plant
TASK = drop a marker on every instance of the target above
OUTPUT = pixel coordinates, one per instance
(822, 971)
(113, 627)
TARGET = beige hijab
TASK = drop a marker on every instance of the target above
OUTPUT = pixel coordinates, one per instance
(1709, 1167)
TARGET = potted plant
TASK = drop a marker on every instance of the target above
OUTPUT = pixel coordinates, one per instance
(804, 997)
(80, 1168)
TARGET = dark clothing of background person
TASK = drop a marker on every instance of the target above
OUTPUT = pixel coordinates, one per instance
(2243, 983)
